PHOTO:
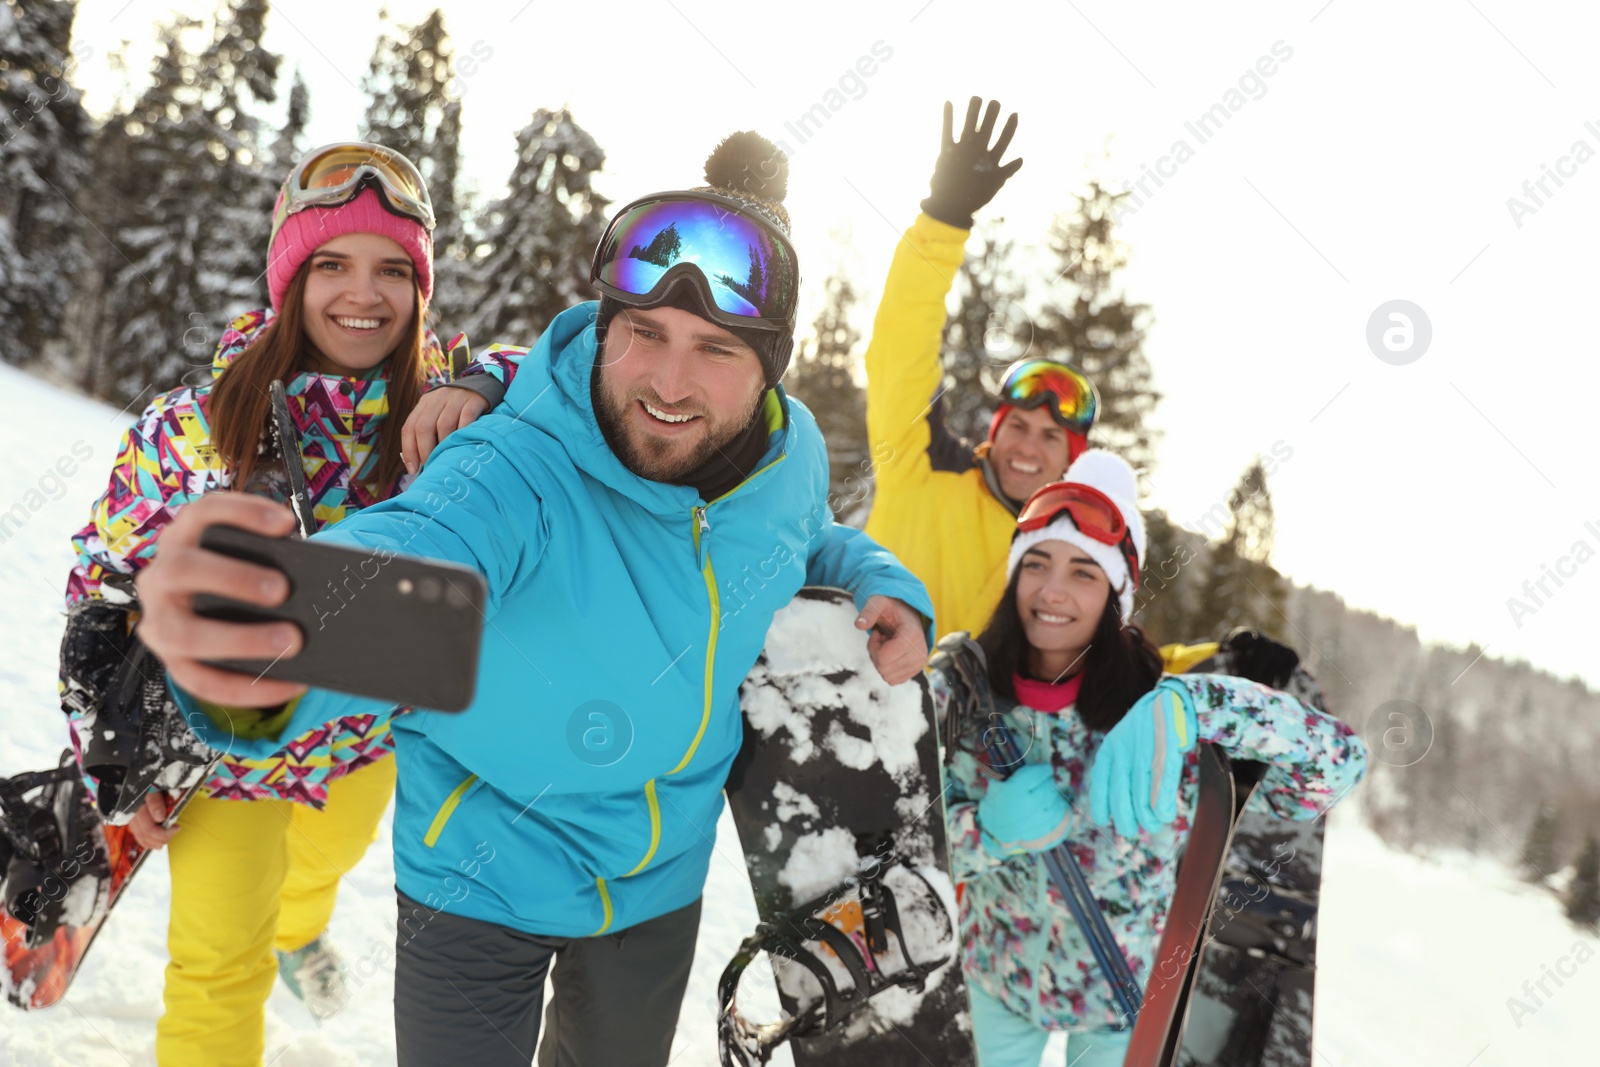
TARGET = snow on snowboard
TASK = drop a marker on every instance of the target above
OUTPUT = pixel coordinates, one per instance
(837, 798)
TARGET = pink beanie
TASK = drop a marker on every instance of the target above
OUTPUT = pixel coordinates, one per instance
(306, 231)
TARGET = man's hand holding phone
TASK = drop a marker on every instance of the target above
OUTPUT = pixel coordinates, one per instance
(245, 617)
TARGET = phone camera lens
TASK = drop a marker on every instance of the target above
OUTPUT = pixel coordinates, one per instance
(429, 589)
(454, 597)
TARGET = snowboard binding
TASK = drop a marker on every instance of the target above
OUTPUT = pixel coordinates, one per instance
(851, 923)
(53, 865)
(1266, 921)
(134, 737)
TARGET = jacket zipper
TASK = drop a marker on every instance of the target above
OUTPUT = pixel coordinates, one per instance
(701, 532)
(447, 809)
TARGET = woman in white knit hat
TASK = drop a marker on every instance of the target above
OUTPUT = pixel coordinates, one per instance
(1082, 690)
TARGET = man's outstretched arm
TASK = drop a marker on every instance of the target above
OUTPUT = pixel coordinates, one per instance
(904, 369)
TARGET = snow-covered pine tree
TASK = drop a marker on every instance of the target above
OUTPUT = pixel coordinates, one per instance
(407, 84)
(1085, 319)
(287, 146)
(1583, 894)
(456, 289)
(823, 375)
(412, 110)
(184, 202)
(234, 262)
(1171, 578)
(1241, 586)
(533, 259)
(1539, 850)
(978, 340)
(143, 267)
(44, 158)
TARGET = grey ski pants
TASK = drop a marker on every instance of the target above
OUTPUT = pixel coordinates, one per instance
(469, 992)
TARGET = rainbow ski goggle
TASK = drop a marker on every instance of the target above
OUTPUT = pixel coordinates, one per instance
(1074, 402)
(745, 269)
(335, 174)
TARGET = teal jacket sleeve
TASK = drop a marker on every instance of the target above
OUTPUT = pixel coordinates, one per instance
(470, 505)
(1312, 758)
(846, 558)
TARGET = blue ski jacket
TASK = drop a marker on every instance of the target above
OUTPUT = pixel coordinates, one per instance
(580, 791)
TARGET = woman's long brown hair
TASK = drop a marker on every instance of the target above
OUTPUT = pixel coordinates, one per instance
(239, 406)
(1119, 666)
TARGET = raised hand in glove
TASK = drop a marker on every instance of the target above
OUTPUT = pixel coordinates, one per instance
(1136, 773)
(1261, 659)
(1024, 813)
(968, 172)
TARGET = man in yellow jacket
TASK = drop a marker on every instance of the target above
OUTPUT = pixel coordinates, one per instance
(948, 509)
(945, 508)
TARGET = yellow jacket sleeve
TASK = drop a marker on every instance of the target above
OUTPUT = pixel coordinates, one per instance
(904, 370)
(1179, 659)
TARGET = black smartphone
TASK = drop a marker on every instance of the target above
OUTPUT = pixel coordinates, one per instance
(375, 624)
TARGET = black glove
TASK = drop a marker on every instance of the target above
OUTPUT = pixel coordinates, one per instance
(1260, 658)
(968, 172)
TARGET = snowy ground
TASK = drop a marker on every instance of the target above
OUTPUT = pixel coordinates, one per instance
(1419, 959)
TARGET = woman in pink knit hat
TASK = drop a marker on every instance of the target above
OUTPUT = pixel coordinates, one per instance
(350, 272)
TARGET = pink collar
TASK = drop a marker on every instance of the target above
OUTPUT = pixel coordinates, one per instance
(1044, 696)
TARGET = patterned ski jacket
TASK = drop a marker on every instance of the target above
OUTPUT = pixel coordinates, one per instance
(1021, 944)
(166, 460)
(580, 791)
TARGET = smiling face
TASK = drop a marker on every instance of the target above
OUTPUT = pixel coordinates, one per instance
(674, 389)
(1061, 595)
(1029, 451)
(360, 297)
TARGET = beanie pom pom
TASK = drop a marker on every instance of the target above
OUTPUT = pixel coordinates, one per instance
(748, 163)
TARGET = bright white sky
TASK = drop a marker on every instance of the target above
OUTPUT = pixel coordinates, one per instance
(1373, 164)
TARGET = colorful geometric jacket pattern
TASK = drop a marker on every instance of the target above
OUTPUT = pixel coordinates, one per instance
(166, 460)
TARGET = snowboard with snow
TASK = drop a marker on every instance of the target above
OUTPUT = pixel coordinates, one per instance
(837, 797)
(1253, 997)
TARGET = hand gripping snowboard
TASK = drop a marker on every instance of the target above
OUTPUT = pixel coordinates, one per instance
(838, 800)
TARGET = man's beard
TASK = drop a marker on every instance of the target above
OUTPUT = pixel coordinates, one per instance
(661, 459)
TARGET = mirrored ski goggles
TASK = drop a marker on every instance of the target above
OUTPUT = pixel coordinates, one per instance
(745, 268)
(1090, 510)
(1073, 398)
(335, 174)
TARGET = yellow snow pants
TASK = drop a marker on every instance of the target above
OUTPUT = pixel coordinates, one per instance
(249, 877)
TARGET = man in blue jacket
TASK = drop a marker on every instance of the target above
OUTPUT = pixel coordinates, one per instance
(641, 504)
